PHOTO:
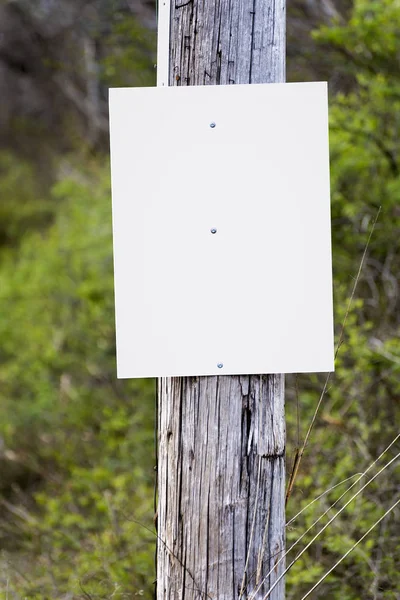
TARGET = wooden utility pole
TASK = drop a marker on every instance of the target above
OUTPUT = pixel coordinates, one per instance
(221, 467)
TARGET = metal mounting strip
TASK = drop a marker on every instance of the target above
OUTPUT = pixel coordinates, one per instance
(164, 14)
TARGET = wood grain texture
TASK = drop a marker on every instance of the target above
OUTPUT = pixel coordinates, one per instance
(222, 444)
(221, 465)
(227, 41)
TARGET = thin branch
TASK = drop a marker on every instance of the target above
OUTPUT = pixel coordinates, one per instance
(297, 410)
(18, 511)
(84, 592)
(252, 524)
(159, 538)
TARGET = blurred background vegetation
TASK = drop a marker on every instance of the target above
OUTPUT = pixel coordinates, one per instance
(76, 445)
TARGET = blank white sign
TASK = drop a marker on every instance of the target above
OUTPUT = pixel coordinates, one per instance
(221, 222)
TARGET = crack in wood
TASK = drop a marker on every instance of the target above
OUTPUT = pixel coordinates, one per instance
(184, 4)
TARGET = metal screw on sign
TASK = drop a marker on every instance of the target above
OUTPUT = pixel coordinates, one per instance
(212, 125)
(213, 230)
(220, 365)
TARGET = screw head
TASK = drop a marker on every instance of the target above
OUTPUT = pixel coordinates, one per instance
(212, 125)
(220, 365)
(213, 230)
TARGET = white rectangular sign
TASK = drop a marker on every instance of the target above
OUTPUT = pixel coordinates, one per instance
(221, 222)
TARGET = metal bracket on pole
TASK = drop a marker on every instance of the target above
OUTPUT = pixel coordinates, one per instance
(163, 37)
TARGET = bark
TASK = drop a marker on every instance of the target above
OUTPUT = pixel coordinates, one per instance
(221, 466)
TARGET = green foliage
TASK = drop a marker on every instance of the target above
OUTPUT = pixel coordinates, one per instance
(361, 408)
(23, 205)
(77, 445)
(84, 439)
(130, 54)
(369, 41)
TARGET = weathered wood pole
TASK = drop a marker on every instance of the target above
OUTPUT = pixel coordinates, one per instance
(221, 466)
